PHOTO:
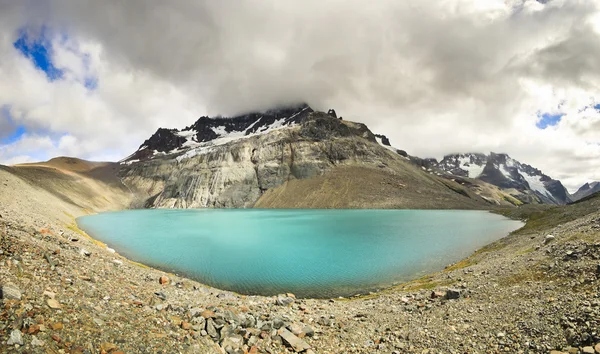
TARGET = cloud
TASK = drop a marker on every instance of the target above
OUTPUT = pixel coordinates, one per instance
(435, 76)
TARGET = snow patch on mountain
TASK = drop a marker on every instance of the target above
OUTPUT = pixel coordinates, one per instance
(473, 169)
(536, 184)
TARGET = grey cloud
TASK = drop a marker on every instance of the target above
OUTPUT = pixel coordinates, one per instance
(435, 78)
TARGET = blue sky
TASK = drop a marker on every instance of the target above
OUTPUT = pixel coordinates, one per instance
(13, 130)
(549, 120)
(39, 50)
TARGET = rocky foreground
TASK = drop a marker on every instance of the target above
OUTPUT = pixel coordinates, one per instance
(536, 291)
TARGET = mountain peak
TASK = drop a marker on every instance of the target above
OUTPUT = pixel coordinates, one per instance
(503, 171)
(213, 131)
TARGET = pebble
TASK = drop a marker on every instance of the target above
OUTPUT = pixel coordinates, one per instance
(163, 280)
(53, 304)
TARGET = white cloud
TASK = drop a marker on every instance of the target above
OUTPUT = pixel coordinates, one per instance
(435, 76)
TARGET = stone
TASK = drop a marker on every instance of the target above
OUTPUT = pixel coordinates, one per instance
(296, 343)
(324, 321)
(308, 331)
(53, 304)
(452, 294)
(163, 280)
(33, 329)
(108, 347)
(35, 342)
(588, 350)
(597, 347)
(232, 343)
(207, 314)
(195, 312)
(437, 294)
(211, 330)
(186, 325)
(57, 326)
(10, 292)
(56, 338)
(161, 295)
(284, 300)
(117, 261)
(49, 294)
(278, 323)
(85, 252)
(99, 322)
(548, 239)
(15, 338)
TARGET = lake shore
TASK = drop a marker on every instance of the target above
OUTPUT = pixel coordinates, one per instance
(524, 293)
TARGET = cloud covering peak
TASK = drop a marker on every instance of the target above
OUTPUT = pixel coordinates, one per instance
(435, 76)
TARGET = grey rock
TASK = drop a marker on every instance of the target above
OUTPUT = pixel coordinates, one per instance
(247, 321)
(308, 331)
(296, 343)
(548, 239)
(15, 338)
(452, 294)
(211, 330)
(284, 300)
(10, 292)
(161, 295)
(195, 312)
(35, 342)
(232, 343)
(323, 321)
(278, 323)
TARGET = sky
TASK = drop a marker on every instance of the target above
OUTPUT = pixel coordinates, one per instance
(94, 79)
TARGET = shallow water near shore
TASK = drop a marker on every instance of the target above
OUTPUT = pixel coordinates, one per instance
(311, 253)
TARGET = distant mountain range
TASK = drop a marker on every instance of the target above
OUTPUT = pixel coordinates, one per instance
(241, 161)
(586, 190)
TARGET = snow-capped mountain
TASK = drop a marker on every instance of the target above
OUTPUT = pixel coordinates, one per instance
(506, 173)
(586, 190)
(208, 132)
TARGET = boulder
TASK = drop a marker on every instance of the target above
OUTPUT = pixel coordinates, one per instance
(452, 294)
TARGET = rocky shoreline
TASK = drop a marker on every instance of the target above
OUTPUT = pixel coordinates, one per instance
(66, 293)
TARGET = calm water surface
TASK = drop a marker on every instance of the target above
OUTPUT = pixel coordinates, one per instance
(311, 253)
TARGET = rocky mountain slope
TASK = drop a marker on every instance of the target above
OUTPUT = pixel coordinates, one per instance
(520, 182)
(287, 157)
(586, 190)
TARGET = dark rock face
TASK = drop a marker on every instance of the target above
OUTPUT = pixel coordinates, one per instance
(384, 139)
(164, 140)
(321, 126)
(248, 123)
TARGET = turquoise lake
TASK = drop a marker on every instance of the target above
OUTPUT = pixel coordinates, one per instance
(311, 253)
